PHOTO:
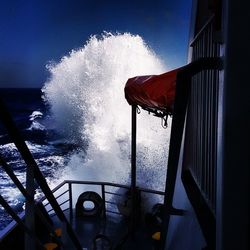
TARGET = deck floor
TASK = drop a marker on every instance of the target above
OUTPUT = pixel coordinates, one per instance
(114, 227)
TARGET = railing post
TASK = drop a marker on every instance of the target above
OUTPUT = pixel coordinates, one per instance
(133, 167)
(65, 237)
(70, 200)
(104, 201)
(30, 208)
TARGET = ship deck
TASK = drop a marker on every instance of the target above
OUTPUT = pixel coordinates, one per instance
(114, 227)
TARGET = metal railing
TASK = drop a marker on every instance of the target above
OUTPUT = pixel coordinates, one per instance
(55, 202)
(201, 123)
(33, 174)
(183, 87)
(67, 190)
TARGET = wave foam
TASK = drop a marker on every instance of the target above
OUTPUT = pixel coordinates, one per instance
(86, 94)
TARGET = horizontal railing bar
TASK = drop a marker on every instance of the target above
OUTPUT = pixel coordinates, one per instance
(113, 212)
(53, 214)
(57, 187)
(65, 209)
(46, 204)
(145, 190)
(97, 183)
(59, 205)
(63, 202)
(62, 194)
(52, 209)
(113, 193)
(110, 202)
(113, 185)
(53, 190)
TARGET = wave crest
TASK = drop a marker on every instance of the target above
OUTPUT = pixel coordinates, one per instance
(86, 94)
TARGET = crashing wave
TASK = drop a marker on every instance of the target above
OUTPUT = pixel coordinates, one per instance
(85, 92)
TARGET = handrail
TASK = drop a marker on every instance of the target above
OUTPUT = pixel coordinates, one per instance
(53, 191)
(197, 36)
(57, 187)
(97, 183)
(31, 163)
(56, 197)
(103, 192)
(183, 83)
(62, 194)
(112, 184)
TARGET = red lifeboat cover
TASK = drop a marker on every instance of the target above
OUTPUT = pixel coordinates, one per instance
(153, 91)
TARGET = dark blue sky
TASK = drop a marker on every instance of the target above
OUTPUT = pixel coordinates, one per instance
(33, 32)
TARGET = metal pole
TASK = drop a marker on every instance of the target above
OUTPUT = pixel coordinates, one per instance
(30, 208)
(133, 167)
(104, 201)
(70, 200)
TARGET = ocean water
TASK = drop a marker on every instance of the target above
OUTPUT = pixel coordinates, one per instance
(78, 124)
(29, 111)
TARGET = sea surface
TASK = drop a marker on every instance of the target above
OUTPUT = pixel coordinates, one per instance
(28, 111)
(78, 125)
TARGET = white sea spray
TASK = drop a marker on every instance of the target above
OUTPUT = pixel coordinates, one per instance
(85, 92)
